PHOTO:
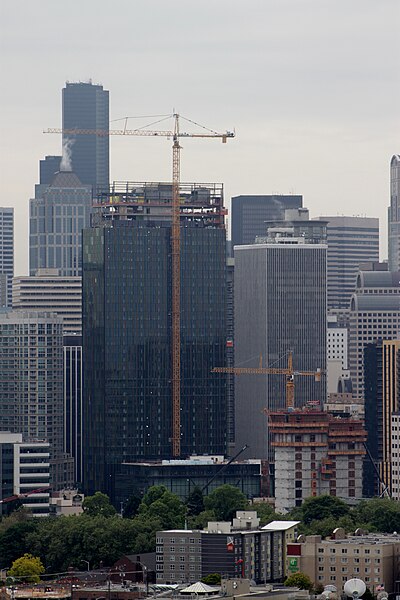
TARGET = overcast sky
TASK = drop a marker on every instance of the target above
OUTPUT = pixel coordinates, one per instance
(311, 86)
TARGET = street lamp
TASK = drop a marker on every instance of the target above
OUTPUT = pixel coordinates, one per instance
(87, 562)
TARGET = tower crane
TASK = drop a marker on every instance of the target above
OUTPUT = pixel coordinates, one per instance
(260, 370)
(175, 135)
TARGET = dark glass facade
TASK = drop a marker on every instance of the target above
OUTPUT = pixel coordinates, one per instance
(49, 166)
(86, 106)
(73, 401)
(127, 345)
(249, 214)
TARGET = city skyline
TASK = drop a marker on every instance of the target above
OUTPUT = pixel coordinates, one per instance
(310, 88)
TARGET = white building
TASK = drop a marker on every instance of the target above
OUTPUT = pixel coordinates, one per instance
(50, 292)
(394, 215)
(25, 470)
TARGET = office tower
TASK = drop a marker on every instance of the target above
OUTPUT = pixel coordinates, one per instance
(85, 106)
(280, 306)
(249, 214)
(337, 348)
(31, 383)
(395, 457)
(48, 291)
(394, 215)
(58, 213)
(351, 241)
(230, 347)
(73, 394)
(374, 314)
(126, 290)
(24, 468)
(6, 255)
(48, 168)
(315, 454)
(382, 401)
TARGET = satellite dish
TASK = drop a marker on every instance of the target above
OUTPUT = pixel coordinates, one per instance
(330, 588)
(355, 588)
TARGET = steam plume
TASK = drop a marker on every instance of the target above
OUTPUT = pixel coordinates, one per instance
(66, 164)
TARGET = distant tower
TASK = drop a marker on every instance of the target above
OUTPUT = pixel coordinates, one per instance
(351, 241)
(6, 255)
(280, 306)
(58, 214)
(394, 215)
(249, 214)
(86, 106)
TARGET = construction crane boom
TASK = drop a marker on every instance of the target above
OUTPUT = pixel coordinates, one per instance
(289, 372)
(175, 134)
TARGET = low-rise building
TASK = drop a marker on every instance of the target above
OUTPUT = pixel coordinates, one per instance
(66, 503)
(240, 549)
(374, 558)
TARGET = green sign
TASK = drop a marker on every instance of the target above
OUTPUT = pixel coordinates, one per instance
(293, 565)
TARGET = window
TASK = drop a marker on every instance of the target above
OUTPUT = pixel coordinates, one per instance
(181, 567)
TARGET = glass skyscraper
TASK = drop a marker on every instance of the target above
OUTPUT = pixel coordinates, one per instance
(127, 329)
(394, 215)
(86, 106)
(6, 255)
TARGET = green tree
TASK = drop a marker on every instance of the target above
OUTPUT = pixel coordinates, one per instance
(378, 514)
(162, 505)
(99, 504)
(321, 507)
(13, 539)
(200, 521)
(28, 568)
(265, 512)
(195, 502)
(225, 501)
(212, 579)
(300, 580)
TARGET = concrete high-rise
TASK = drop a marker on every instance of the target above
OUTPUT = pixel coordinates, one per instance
(394, 215)
(374, 314)
(127, 295)
(31, 383)
(351, 241)
(280, 306)
(48, 291)
(86, 106)
(6, 255)
(249, 214)
(58, 214)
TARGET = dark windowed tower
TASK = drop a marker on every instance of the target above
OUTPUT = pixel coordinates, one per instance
(249, 214)
(394, 215)
(6, 255)
(86, 106)
(127, 329)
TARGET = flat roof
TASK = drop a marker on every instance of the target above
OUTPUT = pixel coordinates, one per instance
(280, 525)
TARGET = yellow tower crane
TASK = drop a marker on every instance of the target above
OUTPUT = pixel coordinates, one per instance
(260, 370)
(175, 135)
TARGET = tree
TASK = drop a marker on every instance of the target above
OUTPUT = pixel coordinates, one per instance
(378, 514)
(13, 538)
(212, 579)
(300, 580)
(99, 504)
(321, 507)
(195, 502)
(265, 512)
(131, 507)
(28, 568)
(162, 505)
(225, 501)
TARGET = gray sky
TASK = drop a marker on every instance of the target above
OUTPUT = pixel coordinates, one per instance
(311, 86)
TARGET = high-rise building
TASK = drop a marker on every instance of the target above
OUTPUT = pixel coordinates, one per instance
(6, 255)
(127, 297)
(73, 397)
(31, 383)
(280, 306)
(315, 454)
(48, 291)
(382, 401)
(24, 468)
(249, 214)
(58, 214)
(86, 106)
(48, 167)
(351, 241)
(374, 314)
(394, 215)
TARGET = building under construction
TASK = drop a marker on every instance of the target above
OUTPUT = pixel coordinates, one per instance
(315, 453)
(127, 323)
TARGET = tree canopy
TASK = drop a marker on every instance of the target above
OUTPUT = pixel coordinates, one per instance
(300, 580)
(27, 568)
(225, 501)
(98, 504)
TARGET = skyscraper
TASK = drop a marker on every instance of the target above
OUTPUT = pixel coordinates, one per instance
(280, 306)
(49, 166)
(351, 241)
(31, 383)
(394, 215)
(127, 328)
(249, 214)
(6, 255)
(86, 106)
(58, 213)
